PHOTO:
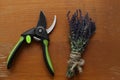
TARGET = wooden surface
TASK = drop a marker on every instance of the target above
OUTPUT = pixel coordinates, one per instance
(102, 54)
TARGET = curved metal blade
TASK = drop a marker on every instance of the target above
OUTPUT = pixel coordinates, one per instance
(42, 20)
(52, 26)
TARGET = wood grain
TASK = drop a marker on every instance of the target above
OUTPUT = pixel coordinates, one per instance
(102, 54)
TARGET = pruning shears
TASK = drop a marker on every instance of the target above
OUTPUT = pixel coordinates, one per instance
(40, 34)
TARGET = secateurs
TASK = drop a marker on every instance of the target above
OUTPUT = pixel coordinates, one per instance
(39, 33)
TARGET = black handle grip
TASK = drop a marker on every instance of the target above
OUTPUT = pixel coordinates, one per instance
(13, 52)
(47, 57)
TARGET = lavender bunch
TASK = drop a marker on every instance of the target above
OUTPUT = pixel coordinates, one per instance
(81, 29)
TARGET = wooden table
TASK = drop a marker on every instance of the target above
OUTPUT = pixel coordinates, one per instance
(102, 54)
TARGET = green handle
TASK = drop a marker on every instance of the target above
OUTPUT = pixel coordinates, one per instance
(13, 52)
(47, 57)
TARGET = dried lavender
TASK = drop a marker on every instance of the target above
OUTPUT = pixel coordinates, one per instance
(81, 29)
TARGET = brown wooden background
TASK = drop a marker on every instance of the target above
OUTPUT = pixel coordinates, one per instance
(102, 55)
